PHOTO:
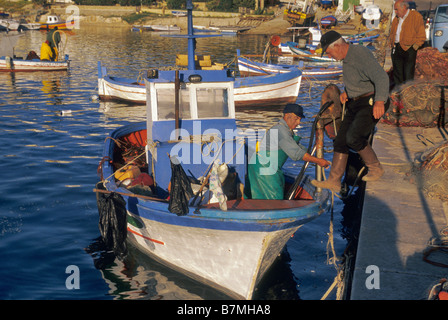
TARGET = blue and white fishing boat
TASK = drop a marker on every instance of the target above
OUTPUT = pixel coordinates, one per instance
(309, 56)
(229, 242)
(249, 67)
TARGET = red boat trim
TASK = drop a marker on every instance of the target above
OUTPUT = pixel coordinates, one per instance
(147, 238)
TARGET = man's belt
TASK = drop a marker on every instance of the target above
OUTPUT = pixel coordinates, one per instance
(363, 95)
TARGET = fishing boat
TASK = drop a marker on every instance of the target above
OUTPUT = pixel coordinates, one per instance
(265, 90)
(361, 38)
(7, 23)
(10, 62)
(178, 13)
(54, 21)
(164, 28)
(300, 12)
(228, 243)
(16, 64)
(309, 56)
(249, 67)
(328, 21)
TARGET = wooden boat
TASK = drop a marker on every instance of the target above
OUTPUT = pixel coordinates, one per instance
(249, 67)
(328, 21)
(165, 28)
(309, 56)
(361, 38)
(229, 244)
(9, 64)
(300, 13)
(224, 30)
(260, 91)
(7, 23)
(54, 21)
(178, 13)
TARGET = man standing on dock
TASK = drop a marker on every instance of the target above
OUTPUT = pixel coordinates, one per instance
(366, 96)
(407, 34)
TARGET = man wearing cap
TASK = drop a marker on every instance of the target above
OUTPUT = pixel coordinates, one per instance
(366, 97)
(265, 167)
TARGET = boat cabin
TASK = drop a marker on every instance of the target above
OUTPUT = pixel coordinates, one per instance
(196, 128)
(53, 19)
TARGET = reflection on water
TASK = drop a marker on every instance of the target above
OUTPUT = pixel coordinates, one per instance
(53, 131)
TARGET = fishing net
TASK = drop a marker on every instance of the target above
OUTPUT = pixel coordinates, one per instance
(433, 171)
(422, 102)
(431, 64)
(418, 103)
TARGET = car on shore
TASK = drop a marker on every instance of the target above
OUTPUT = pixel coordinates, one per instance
(439, 29)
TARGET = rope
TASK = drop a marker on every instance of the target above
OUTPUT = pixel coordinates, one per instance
(61, 52)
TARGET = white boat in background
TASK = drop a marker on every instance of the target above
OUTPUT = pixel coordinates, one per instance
(53, 21)
(8, 23)
(179, 13)
(248, 67)
(265, 90)
(29, 25)
(160, 27)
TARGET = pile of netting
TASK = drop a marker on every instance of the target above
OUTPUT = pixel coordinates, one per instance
(422, 102)
(418, 103)
(433, 171)
(431, 64)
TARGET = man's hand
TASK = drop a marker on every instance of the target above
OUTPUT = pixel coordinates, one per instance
(343, 97)
(323, 163)
(378, 109)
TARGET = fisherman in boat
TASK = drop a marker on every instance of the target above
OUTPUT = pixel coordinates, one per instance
(366, 96)
(46, 53)
(54, 38)
(265, 173)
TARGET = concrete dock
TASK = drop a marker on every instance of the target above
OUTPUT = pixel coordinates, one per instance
(398, 220)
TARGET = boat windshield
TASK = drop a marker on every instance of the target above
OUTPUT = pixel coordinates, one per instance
(196, 101)
(212, 103)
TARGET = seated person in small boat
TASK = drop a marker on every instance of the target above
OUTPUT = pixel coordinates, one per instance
(45, 52)
(54, 38)
(265, 173)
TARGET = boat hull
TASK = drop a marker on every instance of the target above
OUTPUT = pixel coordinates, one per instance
(60, 25)
(230, 261)
(15, 65)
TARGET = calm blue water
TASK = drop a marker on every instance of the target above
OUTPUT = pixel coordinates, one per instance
(48, 211)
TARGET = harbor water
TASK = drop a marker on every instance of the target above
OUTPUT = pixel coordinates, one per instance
(51, 138)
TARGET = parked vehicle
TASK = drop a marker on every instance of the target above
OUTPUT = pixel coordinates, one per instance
(439, 30)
